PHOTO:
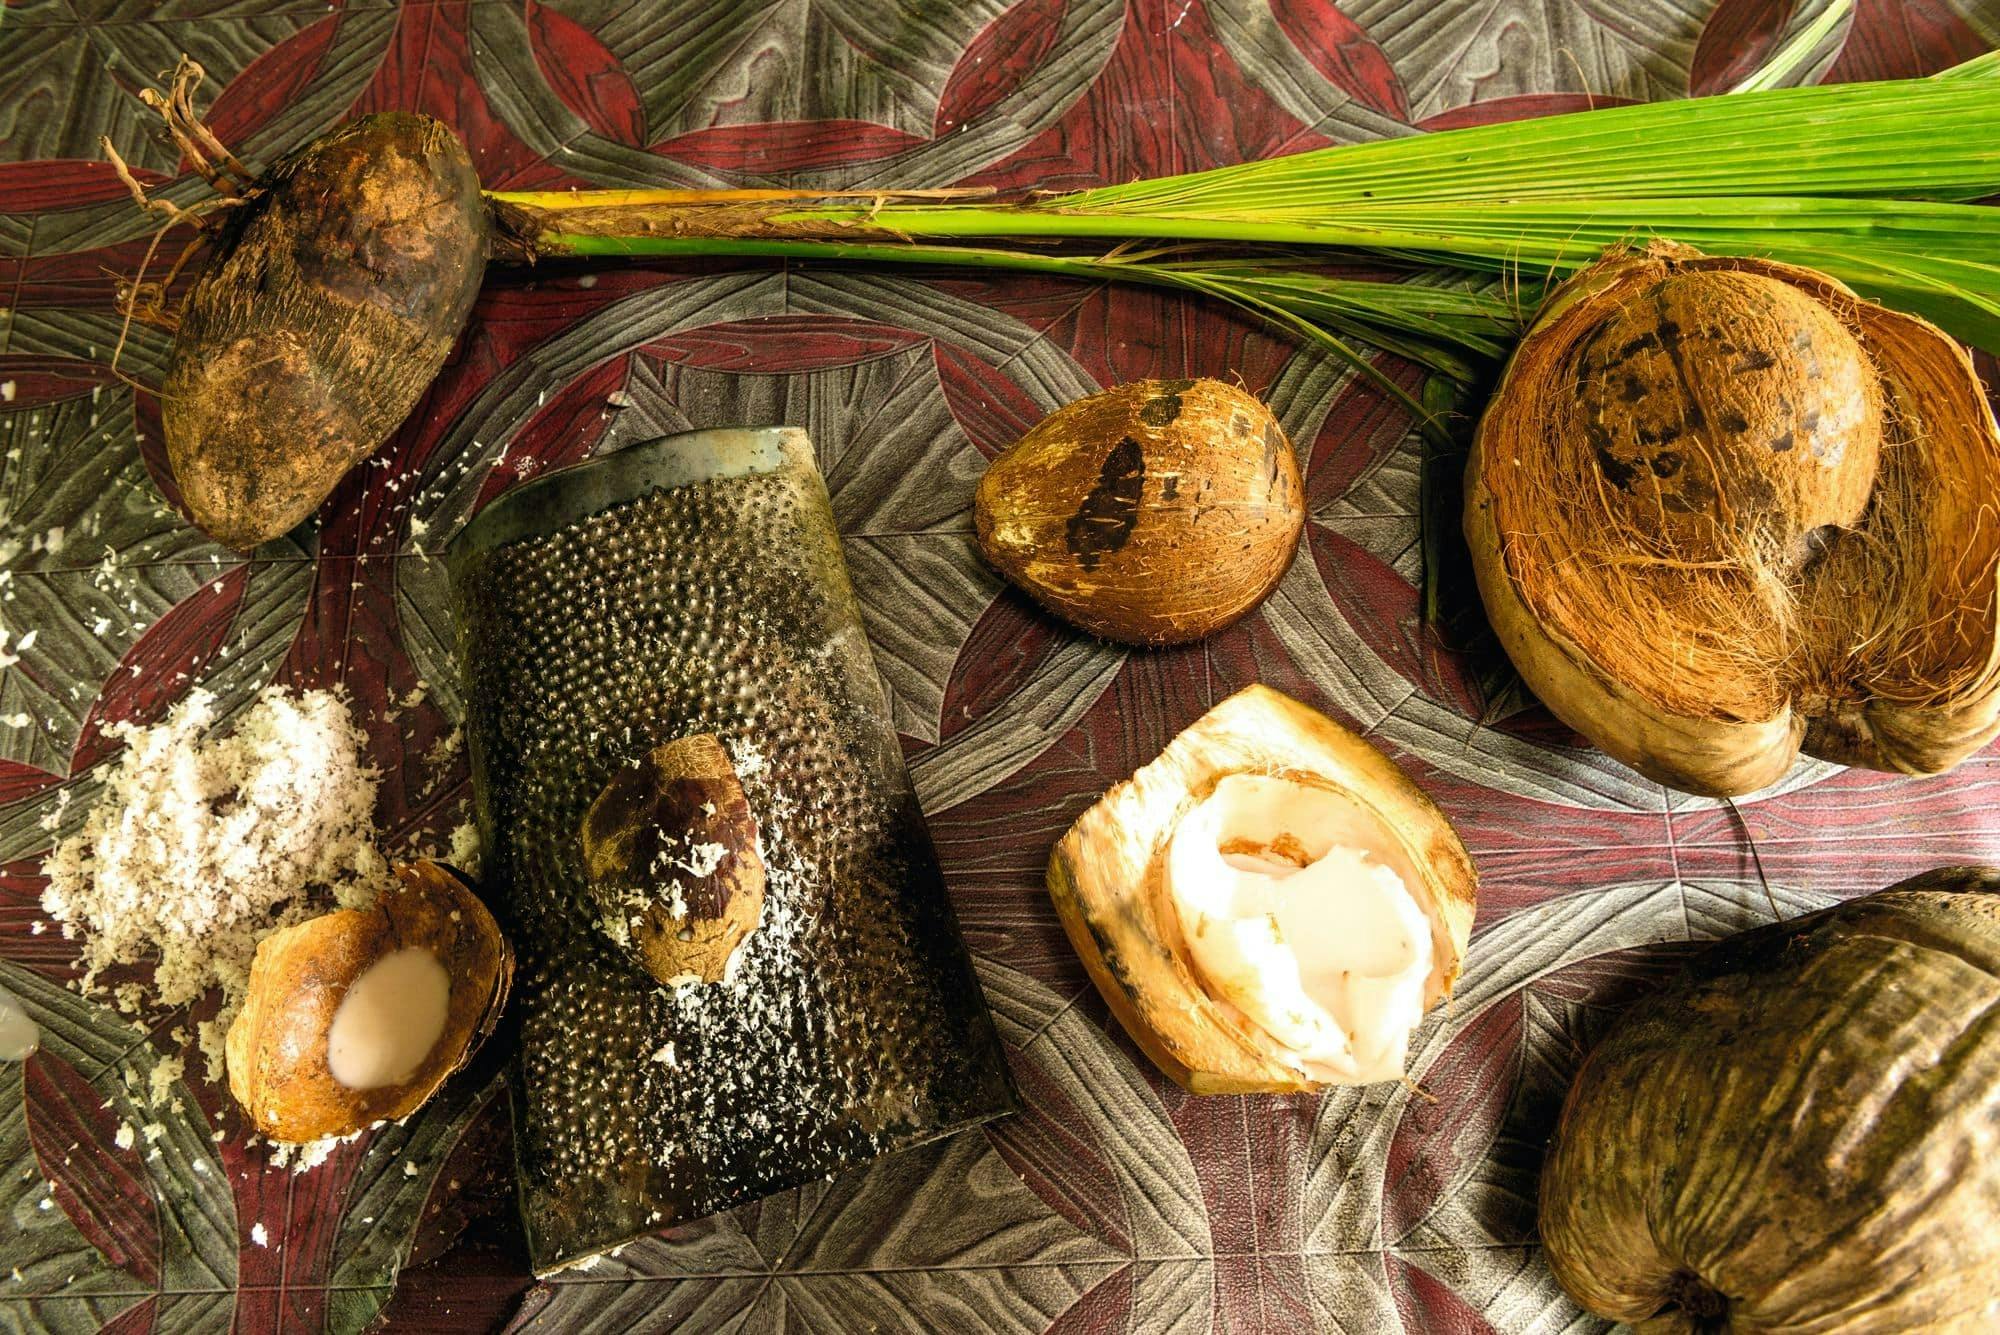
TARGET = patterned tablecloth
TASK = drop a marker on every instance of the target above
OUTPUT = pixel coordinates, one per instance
(1115, 1202)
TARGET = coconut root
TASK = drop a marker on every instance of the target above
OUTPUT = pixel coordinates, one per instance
(142, 300)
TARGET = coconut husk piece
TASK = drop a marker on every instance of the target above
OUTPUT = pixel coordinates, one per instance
(1796, 1134)
(1723, 511)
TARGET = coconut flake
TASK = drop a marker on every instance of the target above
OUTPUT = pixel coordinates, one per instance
(201, 845)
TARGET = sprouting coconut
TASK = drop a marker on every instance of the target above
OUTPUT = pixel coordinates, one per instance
(335, 286)
(1723, 510)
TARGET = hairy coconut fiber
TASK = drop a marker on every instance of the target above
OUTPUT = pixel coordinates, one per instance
(1723, 510)
(1801, 1133)
(332, 298)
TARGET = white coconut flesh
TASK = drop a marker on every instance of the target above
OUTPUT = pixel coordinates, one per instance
(390, 1019)
(1293, 915)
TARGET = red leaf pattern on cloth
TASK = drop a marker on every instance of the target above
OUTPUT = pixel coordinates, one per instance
(785, 146)
(585, 74)
(38, 187)
(1005, 50)
(270, 82)
(1340, 49)
(160, 668)
(101, 1187)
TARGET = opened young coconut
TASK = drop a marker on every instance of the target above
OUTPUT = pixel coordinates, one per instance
(1270, 904)
(357, 1016)
(1798, 1133)
(1154, 513)
(1722, 510)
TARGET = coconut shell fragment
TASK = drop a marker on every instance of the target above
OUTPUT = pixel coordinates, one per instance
(281, 1047)
(1154, 513)
(1800, 1132)
(1111, 882)
(1723, 511)
(674, 860)
(333, 294)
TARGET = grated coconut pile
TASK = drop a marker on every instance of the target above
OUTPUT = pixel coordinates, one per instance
(201, 845)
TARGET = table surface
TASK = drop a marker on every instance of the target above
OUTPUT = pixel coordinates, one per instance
(1115, 1202)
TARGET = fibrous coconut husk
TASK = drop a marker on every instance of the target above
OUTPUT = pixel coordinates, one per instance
(1799, 1133)
(1722, 510)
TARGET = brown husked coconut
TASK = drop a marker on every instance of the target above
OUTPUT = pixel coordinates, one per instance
(1801, 1133)
(359, 1015)
(1270, 904)
(1723, 510)
(333, 294)
(1154, 513)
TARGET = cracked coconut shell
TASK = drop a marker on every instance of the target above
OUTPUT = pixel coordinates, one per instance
(1107, 878)
(280, 1069)
(1798, 1133)
(1722, 511)
(675, 861)
(1154, 513)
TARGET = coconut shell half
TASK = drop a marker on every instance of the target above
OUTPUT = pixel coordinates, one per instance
(1107, 877)
(1723, 510)
(1801, 1133)
(277, 1045)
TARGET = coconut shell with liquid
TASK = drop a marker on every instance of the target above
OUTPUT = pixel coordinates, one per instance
(1723, 511)
(333, 294)
(1798, 1133)
(281, 1067)
(1154, 513)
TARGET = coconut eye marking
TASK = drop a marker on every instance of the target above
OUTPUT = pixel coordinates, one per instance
(1161, 411)
(1105, 520)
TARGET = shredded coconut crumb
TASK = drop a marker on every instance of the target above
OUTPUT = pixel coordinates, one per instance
(201, 845)
(125, 1137)
(465, 848)
(260, 1235)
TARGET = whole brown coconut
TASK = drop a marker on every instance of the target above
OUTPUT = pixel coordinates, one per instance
(1154, 513)
(1723, 510)
(334, 293)
(1800, 1133)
